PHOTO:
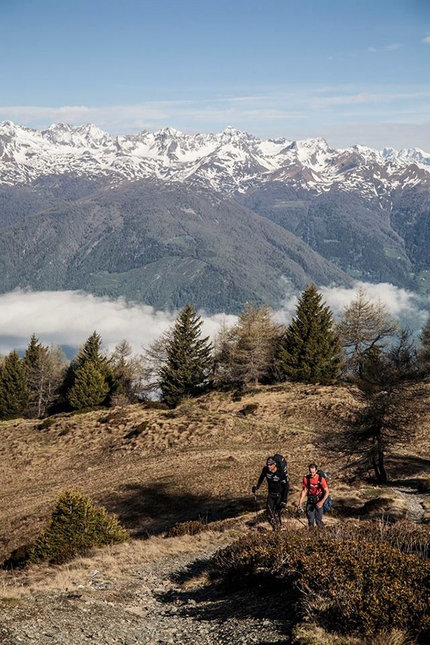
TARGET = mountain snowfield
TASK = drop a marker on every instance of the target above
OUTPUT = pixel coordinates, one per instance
(228, 161)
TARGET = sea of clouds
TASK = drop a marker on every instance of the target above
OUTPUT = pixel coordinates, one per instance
(67, 318)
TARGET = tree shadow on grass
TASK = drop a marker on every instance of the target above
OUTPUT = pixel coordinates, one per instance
(151, 510)
(403, 470)
(261, 599)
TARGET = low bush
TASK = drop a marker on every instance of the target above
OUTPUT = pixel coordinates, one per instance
(192, 527)
(155, 405)
(47, 423)
(349, 585)
(76, 526)
(251, 408)
(424, 485)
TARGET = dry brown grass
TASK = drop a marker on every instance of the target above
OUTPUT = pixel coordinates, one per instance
(154, 468)
(310, 634)
(114, 564)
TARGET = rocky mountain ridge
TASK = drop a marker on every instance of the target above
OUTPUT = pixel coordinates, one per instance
(227, 161)
(167, 218)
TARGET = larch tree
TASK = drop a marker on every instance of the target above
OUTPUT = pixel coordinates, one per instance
(245, 353)
(189, 359)
(310, 350)
(45, 368)
(365, 329)
(127, 372)
(389, 404)
(424, 349)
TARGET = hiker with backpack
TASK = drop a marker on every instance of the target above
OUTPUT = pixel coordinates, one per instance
(276, 474)
(315, 489)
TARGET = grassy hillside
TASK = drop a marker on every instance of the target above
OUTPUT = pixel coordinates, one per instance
(155, 468)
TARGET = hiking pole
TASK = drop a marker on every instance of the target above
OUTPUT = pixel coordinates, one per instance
(295, 516)
(298, 518)
(256, 504)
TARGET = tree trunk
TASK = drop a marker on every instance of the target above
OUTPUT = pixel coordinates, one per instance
(378, 460)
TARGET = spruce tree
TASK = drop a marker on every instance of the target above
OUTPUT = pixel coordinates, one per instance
(89, 389)
(91, 351)
(89, 354)
(13, 387)
(310, 350)
(32, 353)
(188, 359)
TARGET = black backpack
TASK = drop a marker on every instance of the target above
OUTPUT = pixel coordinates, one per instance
(281, 463)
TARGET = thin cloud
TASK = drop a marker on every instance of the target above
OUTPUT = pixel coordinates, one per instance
(389, 116)
(393, 47)
(426, 40)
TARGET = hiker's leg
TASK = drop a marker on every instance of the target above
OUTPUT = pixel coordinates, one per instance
(278, 513)
(310, 514)
(271, 511)
(319, 512)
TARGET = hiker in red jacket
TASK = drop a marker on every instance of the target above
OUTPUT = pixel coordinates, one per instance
(314, 486)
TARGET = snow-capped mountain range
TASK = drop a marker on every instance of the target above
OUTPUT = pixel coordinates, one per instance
(228, 161)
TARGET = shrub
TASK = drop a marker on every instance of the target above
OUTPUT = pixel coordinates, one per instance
(76, 526)
(155, 405)
(192, 527)
(46, 424)
(248, 409)
(347, 585)
(424, 485)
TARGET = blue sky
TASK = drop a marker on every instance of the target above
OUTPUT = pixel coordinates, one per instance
(352, 71)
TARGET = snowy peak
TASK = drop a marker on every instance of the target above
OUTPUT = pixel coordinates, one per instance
(83, 136)
(227, 161)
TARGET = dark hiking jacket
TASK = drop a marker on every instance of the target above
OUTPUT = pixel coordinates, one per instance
(276, 482)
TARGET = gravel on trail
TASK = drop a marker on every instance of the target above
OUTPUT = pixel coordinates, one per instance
(151, 605)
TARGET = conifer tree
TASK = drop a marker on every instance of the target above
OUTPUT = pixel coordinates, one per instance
(45, 369)
(89, 388)
(99, 372)
(13, 387)
(91, 351)
(424, 349)
(188, 359)
(311, 350)
(32, 353)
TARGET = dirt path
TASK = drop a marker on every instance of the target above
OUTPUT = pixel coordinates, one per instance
(414, 503)
(153, 603)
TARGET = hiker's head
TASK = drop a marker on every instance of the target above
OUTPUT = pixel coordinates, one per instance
(271, 464)
(313, 469)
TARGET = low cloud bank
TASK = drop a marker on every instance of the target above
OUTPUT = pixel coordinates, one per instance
(67, 318)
